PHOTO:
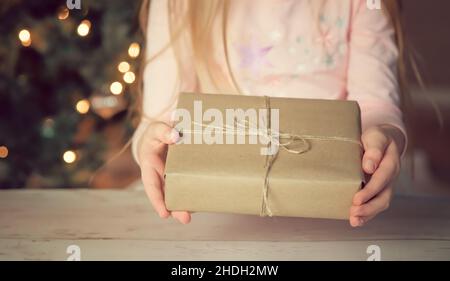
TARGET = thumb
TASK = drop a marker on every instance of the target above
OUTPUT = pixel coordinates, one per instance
(164, 133)
(375, 143)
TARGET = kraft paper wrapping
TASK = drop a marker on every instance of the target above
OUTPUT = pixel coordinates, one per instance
(229, 178)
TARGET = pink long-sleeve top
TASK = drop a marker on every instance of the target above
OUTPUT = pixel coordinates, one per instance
(276, 49)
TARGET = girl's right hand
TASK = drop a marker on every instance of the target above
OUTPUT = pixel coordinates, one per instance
(151, 153)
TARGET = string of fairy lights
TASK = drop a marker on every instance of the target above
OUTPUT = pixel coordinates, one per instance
(83, 106)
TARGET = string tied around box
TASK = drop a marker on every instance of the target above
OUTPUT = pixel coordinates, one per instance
(285, 141)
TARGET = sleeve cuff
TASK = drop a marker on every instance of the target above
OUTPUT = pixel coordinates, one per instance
(383, 115)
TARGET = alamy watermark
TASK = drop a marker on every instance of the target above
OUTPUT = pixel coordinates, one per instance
(238, 126)
(73, 4)
(74, 252)
(374, 252)
(373, 4)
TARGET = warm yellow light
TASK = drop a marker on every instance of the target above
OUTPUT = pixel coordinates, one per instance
(63, 13)
(129, 77)
(116, 88)
(123, 67)
(84, 28)
(69, 156)
(25, 37)
(3, 152)
(27, 43)
(134, 50)
(83, 106)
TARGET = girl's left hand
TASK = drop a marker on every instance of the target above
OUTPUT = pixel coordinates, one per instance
(383, 146)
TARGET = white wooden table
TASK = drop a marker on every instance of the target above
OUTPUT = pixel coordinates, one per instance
(41, 224)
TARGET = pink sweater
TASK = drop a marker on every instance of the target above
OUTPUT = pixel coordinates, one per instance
(276, 49)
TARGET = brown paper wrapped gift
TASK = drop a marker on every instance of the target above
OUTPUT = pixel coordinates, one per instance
(234, 178)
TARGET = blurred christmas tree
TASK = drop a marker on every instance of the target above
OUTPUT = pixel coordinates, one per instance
(64, 76)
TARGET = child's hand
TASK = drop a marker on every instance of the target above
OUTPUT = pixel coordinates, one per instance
(152, 151)
(381, 160)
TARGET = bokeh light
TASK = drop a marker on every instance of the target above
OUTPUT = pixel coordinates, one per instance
(84, 28)
(116, 88)
(69, 156)
(134, 50)
(129, 77)
(25, 37)
(3, 152)
(83, 106)
(123, 67)
(63, 13)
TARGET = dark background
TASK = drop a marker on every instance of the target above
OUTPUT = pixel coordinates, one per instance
(428, 29)
(427, 25)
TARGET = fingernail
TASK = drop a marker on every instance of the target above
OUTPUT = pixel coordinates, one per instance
(370, 166)
(174, 136)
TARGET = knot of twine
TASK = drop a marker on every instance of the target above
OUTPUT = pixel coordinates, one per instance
(247, 128)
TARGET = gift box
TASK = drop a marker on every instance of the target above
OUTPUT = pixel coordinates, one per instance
(306, 161)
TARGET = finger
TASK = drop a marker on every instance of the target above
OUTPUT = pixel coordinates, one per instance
(153, 189)
(355, 221)
(375, 144)
(359, 221)
(378, 204)
(389, 168)
(164, 133)
(154, 161)
(183, 217)
(365, 220)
